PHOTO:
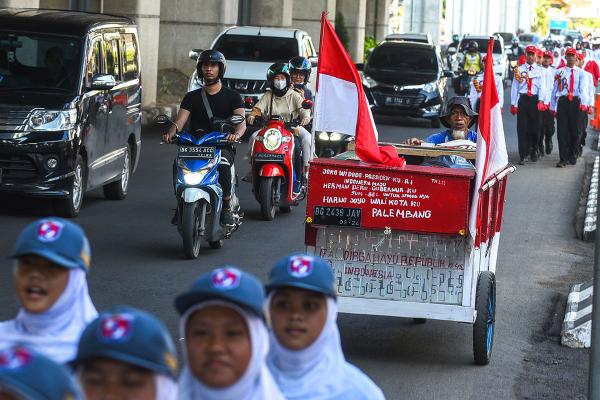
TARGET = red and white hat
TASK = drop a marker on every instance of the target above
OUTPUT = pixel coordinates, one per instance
(548, 53)
(531, 49)
(571, 51)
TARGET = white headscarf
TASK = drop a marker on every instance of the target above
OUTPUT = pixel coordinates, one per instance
(54, 333)
(255, 384)
(320, 371)
(166, 387)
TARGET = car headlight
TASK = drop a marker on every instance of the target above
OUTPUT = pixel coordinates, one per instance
(429, 87)
(334, 136)
(272, 139)
(51, 120)
(323, 136)
(369, 82)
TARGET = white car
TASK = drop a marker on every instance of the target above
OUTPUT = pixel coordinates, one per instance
(250, 51)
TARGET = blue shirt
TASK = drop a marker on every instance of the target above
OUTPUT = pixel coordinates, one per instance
(446, 136)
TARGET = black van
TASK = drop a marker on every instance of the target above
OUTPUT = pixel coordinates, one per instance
(406, 78)
(70, 104)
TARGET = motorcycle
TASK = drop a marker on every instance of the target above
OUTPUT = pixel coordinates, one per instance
(272, 167)
(199, 194)
(465, 81)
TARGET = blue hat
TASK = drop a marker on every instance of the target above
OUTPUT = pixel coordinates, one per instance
(129, 335)
(58, 240)
(303, 271)
(225, 283)
(35, 377)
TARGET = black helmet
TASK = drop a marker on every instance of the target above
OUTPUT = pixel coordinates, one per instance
(473, 46)
(514, 41)
(302, 65)
(211, 56)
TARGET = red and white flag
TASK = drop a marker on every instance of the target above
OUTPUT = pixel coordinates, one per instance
(340, 101)
(491, 146)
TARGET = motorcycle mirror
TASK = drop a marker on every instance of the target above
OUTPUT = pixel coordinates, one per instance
(162, 119)
(307, 104)
(236, 119)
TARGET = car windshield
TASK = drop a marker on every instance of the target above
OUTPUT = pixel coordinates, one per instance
(528, 39)
(39, 62)
(506, 36)
(482, 43)
(407, 59)
(257, 48)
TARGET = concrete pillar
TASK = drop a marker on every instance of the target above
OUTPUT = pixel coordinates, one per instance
(377, 19)
(307, 16)
(19, 3)
(272, 13)
(355, 13)
(191, 24)
(146, 14)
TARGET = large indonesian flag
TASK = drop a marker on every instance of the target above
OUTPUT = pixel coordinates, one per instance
(491, 147)
(340, 101)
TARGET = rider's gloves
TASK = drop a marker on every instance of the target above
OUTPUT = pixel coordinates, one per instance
(305, 121)
(253, 114)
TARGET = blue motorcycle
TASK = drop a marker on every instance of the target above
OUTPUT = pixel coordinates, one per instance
(196, 183)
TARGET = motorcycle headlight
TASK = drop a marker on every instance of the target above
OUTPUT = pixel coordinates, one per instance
(195, 177)
(334, 136)
(369, 82)
(272, 139)
(51, 120)
(429, 87)
(323, 136)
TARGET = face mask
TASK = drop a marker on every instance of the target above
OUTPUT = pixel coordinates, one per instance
(279, 84)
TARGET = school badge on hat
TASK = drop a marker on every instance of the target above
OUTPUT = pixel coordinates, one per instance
(116, 327)
(14, 358)
(49, 230)
(300, 266)
(226, 278)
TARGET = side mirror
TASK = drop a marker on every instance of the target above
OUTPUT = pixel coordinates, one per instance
(307, 104)
(360, 66)
(451, 50)
(194, 53)
(103, 82)
(162, 119)
(313, 61)
(236, 119)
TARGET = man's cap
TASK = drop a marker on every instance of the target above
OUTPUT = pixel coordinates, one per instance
(57, 240)
(34, 376)
(548, 53)
(303, 271)
(227, 283)
(531, 49)
(571, 51)
(458, 101)
(131, 336)
(581, 56)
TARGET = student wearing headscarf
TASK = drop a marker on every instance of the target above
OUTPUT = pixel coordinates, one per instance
(127, 354)
(52, 258)
(306, 357)
(225, 340)
(28, 375)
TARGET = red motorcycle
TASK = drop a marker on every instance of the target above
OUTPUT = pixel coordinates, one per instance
(273, 169)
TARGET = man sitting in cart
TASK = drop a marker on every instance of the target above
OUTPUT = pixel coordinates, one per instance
(459, 118)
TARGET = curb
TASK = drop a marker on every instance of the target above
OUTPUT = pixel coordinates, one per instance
(577, 325)
(589, 225)
(149, 113)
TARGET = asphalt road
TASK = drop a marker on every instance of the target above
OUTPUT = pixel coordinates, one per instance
(137, 259)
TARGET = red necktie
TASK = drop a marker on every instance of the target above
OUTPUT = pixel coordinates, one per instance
(571, 84)
(529, 83)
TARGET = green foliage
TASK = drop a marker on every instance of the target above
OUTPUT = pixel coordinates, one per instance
(540, 24)
(370, 43)
(590, 23)
(341, 30)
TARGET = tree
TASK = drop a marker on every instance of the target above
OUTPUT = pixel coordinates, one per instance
(541, 17)
(341, 30)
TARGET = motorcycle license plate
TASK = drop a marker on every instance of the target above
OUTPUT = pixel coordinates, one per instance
(269, 157)
(396, 101)
(203, 152)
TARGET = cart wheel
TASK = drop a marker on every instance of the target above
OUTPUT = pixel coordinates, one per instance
(483, 330)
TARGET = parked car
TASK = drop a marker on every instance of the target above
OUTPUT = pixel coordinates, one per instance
(70, 104)
(573, 36)
(250, 50)
(411, 37)
(406, 78)
(500, 57)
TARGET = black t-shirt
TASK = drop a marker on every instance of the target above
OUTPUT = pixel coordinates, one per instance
(222, 105)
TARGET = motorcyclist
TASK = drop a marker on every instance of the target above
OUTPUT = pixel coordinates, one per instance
(472, 58)
(515, 50)
(300, 69)
(223, 102)
(282, 101)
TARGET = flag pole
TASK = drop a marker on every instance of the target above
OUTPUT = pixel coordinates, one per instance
(313, 134)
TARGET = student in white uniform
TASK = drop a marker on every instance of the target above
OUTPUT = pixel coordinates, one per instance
(306, 357)
(547, 116)
(52, 259)
(589, 105)
(225, 340)
(477, 87)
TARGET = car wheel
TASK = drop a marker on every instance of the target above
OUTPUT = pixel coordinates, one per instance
(69, 207)
(117, 190)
